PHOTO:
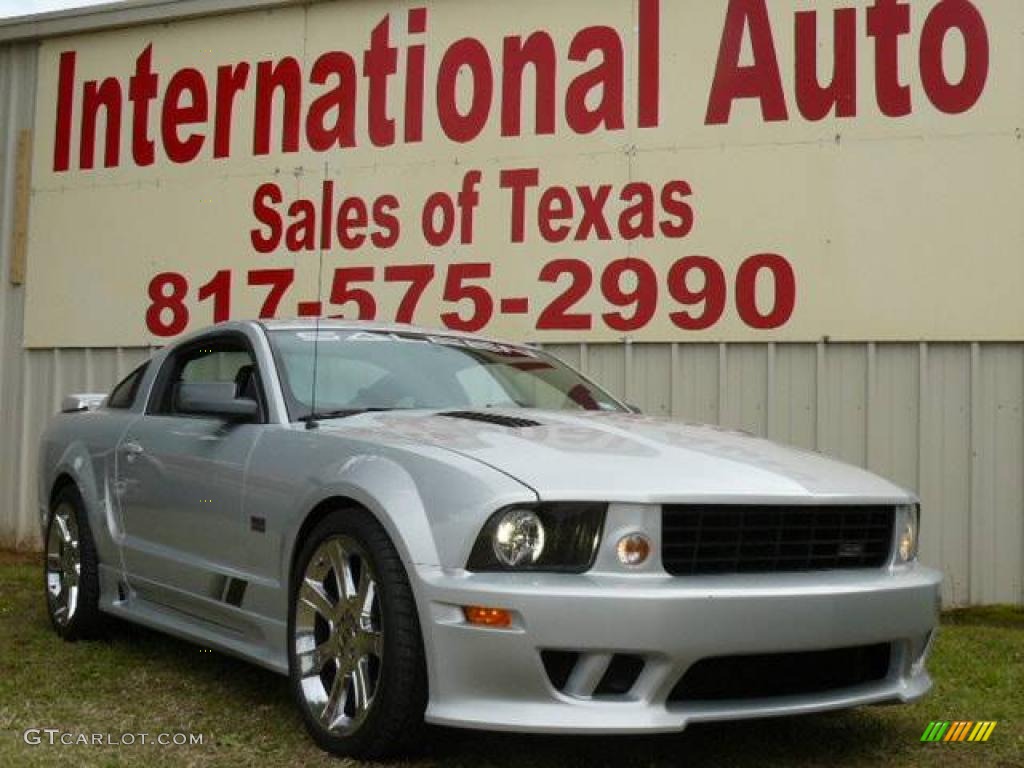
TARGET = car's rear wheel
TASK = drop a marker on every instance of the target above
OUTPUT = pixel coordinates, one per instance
(71, 569)
(356, 654)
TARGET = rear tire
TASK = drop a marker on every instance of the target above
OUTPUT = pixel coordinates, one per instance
(356, 660)
(71, 569)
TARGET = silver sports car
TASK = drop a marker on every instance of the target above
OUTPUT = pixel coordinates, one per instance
(430, 526)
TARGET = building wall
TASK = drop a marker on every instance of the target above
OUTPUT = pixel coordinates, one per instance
(17, 103)
(945, 419)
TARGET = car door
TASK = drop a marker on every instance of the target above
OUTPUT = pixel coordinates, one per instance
(182, 477)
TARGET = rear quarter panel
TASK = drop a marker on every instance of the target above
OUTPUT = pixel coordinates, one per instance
(82, 446)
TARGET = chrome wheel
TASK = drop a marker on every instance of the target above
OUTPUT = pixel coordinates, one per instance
(338, 640)
(63, 564)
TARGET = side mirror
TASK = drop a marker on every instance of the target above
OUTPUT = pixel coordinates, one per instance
(215, 398)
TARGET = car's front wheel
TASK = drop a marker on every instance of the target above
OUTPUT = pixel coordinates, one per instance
(356, 654)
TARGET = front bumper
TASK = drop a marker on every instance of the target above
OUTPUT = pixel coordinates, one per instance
(495, 679)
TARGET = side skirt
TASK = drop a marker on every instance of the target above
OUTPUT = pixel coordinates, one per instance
(256, 646)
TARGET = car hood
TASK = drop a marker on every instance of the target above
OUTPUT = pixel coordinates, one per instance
(626, 457)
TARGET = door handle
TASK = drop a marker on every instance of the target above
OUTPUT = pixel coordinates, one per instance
(131, 450)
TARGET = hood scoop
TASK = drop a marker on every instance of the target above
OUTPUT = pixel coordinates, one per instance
(491, 418)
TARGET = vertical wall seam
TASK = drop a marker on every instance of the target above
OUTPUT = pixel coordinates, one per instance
(627, 370)
(819, 398)
(21, 493)
(870, 403)
(922, 395)
(673, 378)
(89, 383)
(723, 384)
(973, 439)
(769, 395)
(56, 381)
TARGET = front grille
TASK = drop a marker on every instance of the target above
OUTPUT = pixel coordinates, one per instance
(770, 675)
(704, 538)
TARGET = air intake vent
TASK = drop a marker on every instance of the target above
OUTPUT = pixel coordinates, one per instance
(559, 666)
(235, 592)
(491, 418)
(621, 675)
(706, 538)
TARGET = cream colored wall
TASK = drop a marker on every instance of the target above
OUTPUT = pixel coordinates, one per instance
(897, 228)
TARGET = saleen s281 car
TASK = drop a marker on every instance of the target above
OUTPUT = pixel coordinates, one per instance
(418, 525)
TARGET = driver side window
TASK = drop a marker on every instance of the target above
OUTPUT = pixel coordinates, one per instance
(226, 363)
(221, 366)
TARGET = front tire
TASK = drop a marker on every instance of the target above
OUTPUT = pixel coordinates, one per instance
(356, 660)
(71, 569)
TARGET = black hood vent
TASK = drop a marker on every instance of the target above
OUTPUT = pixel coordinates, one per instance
(491, 418)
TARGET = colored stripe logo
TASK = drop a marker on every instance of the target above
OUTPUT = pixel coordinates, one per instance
(958, 730)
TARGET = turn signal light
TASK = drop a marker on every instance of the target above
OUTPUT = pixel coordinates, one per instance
(481, 616)
(633, 549)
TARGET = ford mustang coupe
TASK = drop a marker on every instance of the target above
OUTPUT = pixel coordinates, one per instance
(430, 526)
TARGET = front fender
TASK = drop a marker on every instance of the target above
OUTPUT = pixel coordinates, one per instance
(432, 502)
(388, 491)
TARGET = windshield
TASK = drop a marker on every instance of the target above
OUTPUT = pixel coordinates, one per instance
(358, 370)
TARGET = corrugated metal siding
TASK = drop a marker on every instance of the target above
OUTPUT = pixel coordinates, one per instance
(17, 99)
(46, 376)
(944, 419)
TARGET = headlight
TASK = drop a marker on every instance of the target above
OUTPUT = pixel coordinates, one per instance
(518, 538)
(906, 532)
(561, 537)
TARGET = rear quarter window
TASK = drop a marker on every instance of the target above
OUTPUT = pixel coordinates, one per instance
(123, 395)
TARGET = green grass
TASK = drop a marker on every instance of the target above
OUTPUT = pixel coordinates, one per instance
(140, 681)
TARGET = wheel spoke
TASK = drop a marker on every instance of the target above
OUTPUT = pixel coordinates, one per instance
(61, 519)
(366, 593)
(313, 595)
(341, 564)
(360, 686)
(336, 699)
